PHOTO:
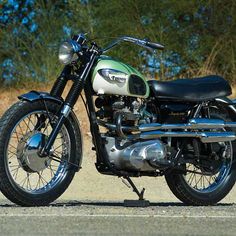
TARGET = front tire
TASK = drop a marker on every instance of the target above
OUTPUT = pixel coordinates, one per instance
(25, 178)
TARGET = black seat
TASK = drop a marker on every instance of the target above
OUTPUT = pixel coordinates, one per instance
(197, 89)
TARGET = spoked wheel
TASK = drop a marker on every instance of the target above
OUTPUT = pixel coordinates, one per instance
(27, 178)
(206, 181)
(30, 171)
(210, 174)
(205, 184)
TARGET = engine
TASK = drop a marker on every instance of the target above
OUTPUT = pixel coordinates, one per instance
(119, 115)
(132, 110)
(141, 156)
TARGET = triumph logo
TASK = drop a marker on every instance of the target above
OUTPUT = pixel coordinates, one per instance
(113, 76)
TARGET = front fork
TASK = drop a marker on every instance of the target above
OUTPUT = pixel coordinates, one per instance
(70, 100)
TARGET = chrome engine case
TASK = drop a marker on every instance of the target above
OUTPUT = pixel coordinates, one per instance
(137, 156)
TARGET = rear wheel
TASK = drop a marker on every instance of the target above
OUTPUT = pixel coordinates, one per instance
(26, 178)
(208, 181)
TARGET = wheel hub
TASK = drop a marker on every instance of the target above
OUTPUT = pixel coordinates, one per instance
(220, 152)
(27, 152)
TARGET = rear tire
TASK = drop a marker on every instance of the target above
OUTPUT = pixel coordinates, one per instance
(188, 195)
(58, 183)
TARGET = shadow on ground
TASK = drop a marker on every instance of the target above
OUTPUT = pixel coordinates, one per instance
(113, 204)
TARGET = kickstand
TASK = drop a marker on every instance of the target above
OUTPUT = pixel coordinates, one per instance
(140, 194)
(141, 202)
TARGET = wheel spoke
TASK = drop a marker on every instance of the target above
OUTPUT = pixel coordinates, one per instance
(190, 180)
(28, 185)
(21, 129)
(30, 121)
(27, 126)
(207, 180)
(58, 146)
(23, 181)
(51, 170)
(9, 157)
(197, 182)
(12, 146)
(13, 153)
(16, 172)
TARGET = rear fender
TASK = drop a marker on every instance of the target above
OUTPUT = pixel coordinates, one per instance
(36, 96)
(229, 105)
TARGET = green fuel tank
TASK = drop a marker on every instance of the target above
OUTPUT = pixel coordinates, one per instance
(111, 76)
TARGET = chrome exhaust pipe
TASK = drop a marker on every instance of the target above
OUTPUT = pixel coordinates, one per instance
(198, 123)
(156, 130)
(205, 137)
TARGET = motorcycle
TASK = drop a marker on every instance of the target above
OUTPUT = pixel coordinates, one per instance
(181, 129)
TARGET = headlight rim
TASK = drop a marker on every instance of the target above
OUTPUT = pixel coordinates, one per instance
(69, 55)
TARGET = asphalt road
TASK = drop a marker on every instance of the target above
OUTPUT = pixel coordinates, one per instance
(112, 218)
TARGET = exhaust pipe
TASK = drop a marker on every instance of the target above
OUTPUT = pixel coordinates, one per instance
(149, 131)
(156, 130)
(199, 123)
(205, 137)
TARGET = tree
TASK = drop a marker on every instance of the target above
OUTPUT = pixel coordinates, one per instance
(199, 35)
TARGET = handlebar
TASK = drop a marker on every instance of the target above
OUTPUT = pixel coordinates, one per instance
(155, 45)
(140, 42)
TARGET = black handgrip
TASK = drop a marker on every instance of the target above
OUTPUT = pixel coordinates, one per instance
(155, 45)
(140, 42)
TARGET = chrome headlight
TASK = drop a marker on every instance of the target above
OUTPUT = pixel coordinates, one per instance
(67, 52)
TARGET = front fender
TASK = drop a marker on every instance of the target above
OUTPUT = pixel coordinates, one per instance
(35, 96)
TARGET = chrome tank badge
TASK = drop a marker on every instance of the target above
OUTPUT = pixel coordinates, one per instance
(113, 76)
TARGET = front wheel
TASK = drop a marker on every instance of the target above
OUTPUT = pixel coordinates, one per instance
(26, 178)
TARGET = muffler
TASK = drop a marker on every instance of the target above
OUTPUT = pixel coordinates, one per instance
(152, 131)
(205, 137)
(195, 128)
(199, 123)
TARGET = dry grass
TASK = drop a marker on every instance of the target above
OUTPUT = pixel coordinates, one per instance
(8, 96)
(233, 92)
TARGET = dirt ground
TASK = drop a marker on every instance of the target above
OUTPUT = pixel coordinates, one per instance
(88, 184)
